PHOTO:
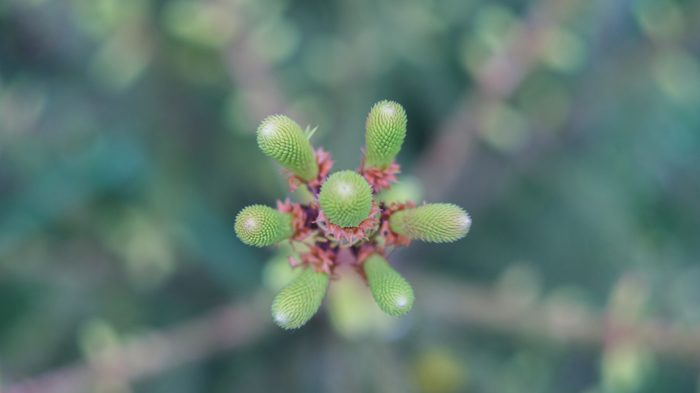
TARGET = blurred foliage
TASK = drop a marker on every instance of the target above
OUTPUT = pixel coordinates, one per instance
(127, 147)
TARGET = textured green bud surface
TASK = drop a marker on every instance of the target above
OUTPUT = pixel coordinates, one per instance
(390, 290)
(282, 139)
(346, 199)
(385, 132)
(299, 300)
(435, 222)
(262, 226)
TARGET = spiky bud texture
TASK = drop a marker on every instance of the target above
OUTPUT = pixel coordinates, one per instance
(346, 199)
(261, 226)
(299, 300)
(385, 132)
(282, 139)
(390, 290)
(435, 222)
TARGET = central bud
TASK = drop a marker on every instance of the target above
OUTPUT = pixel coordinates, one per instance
(346, 199)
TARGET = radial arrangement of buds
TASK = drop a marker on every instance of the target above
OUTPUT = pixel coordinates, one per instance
(345, 217)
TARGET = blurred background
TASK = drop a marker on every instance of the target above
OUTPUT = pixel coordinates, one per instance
(569, 129)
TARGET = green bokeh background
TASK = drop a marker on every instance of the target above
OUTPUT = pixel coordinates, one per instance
(569, 129)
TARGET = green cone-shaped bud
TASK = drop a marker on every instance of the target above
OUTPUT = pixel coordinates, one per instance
(385, 132)
(262, 226)
(299, 300)
(346, 199)
(435, 222)
(282, 139)
(390, 290)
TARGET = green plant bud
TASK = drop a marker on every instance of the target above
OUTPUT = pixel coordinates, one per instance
(281, 138)
(390, 290)
(299, 300)
(262, 226)
(435, 222)
(385, 132)
(346, 199)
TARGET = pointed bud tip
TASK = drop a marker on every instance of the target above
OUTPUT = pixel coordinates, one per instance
(282, 320)
(464, 223)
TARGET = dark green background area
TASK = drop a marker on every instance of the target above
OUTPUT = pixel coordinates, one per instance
(568, 129)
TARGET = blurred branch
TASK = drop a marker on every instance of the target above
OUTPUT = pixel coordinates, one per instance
(471, 305)
(254, 78)
(554, 319)
(229, 327)
(253, 75)
(440, 298)
(502, 74)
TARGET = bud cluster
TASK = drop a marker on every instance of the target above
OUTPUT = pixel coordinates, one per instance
(345, 215)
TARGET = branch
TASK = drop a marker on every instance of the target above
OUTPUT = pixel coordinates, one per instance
(451, 151)
(452, 302)
(443, 299)
(251, 73)
(224, 329)
(462, 305)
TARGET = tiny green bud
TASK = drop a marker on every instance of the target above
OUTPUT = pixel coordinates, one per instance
(346, 199)
(435, 222)
(299, 300)
(390, 290)
(281, 138)
(385, 132)
(262, 226)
